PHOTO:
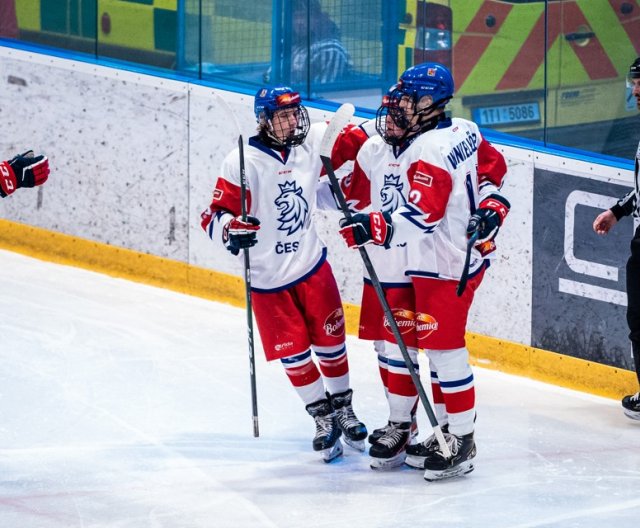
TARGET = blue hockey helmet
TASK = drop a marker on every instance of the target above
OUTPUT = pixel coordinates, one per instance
(276, 129)
(402, 103)
(268, 100)
(429, 78)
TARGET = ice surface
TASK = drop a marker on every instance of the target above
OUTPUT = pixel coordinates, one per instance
(127, 406)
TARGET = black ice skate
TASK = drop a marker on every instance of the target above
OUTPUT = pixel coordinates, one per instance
(354, 430)
(417, 453)
(631, 406)
(463, 450)
(380, 432)
(390, 449)
(327, 439)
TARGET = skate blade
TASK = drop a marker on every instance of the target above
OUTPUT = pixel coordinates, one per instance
(462, 469)
(634, 415)
(331, 453)
(416, 462)
(358, 445)
(383, 464)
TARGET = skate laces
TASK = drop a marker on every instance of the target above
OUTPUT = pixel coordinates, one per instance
(452, 441)
(431, 443)
(324, 424)
(347, 417)
(393, 436)
(635, 397)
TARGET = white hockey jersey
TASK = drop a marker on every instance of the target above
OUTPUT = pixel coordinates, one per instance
(377, 183)
(449, 169)
(431, 186)
(282, 189)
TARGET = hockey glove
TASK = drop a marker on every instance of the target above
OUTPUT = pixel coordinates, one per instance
(238, 234)
(488, 218)
(361, 229)
(24, 170)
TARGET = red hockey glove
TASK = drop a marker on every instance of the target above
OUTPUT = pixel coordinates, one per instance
(24, 170)
(361, 229)
(488, 218)
(238, 234)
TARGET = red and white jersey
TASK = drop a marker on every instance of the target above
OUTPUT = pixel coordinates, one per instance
(448, 169)
(282, 193)
(377, 183)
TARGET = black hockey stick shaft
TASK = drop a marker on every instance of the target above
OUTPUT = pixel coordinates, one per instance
(337, 191)
(467, 260)
(247, 286)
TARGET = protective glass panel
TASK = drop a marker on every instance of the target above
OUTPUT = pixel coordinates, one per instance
(552, 71)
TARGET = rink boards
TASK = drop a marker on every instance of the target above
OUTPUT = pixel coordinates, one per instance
(134, 158)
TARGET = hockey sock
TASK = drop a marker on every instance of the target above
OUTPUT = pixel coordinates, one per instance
(438, 399)
(305, 377)
(383, 367)
(402, 391)
(334, 366)
(457, 386)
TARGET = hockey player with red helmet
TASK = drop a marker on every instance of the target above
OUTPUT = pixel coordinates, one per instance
(294, 294)
(23, 170)
(453, 176)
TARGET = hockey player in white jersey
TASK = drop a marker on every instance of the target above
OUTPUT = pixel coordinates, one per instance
(294, 294)
(23, 170)
(386, 192)
(454, 176)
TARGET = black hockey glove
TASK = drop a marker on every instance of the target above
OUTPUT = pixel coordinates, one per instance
(488, 218)
(24, 170)
(372, 228)
(238, 234)
(486, 223)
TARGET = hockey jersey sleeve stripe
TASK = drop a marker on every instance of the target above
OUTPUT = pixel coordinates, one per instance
(491, 164)
(347, 145)
(356, 188)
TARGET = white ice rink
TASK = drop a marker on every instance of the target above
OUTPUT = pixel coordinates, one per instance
(126, 406)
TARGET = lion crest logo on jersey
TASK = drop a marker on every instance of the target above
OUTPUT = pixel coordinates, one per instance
(292, 207)
(391, 194)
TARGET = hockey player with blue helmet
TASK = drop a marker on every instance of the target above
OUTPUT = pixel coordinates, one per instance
(296, 302)
(283, 120)
(454, 177)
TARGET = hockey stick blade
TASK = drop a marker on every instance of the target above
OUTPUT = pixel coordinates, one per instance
(467, 260)
(340, 120)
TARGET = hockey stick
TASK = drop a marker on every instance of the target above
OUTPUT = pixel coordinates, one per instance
(465, 271)
(247, 264)
(247, 287)
(339, 121)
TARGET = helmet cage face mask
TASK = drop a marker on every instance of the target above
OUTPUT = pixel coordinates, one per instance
(391, 121)
(280, 130)
(399, 106)
(270, 105)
